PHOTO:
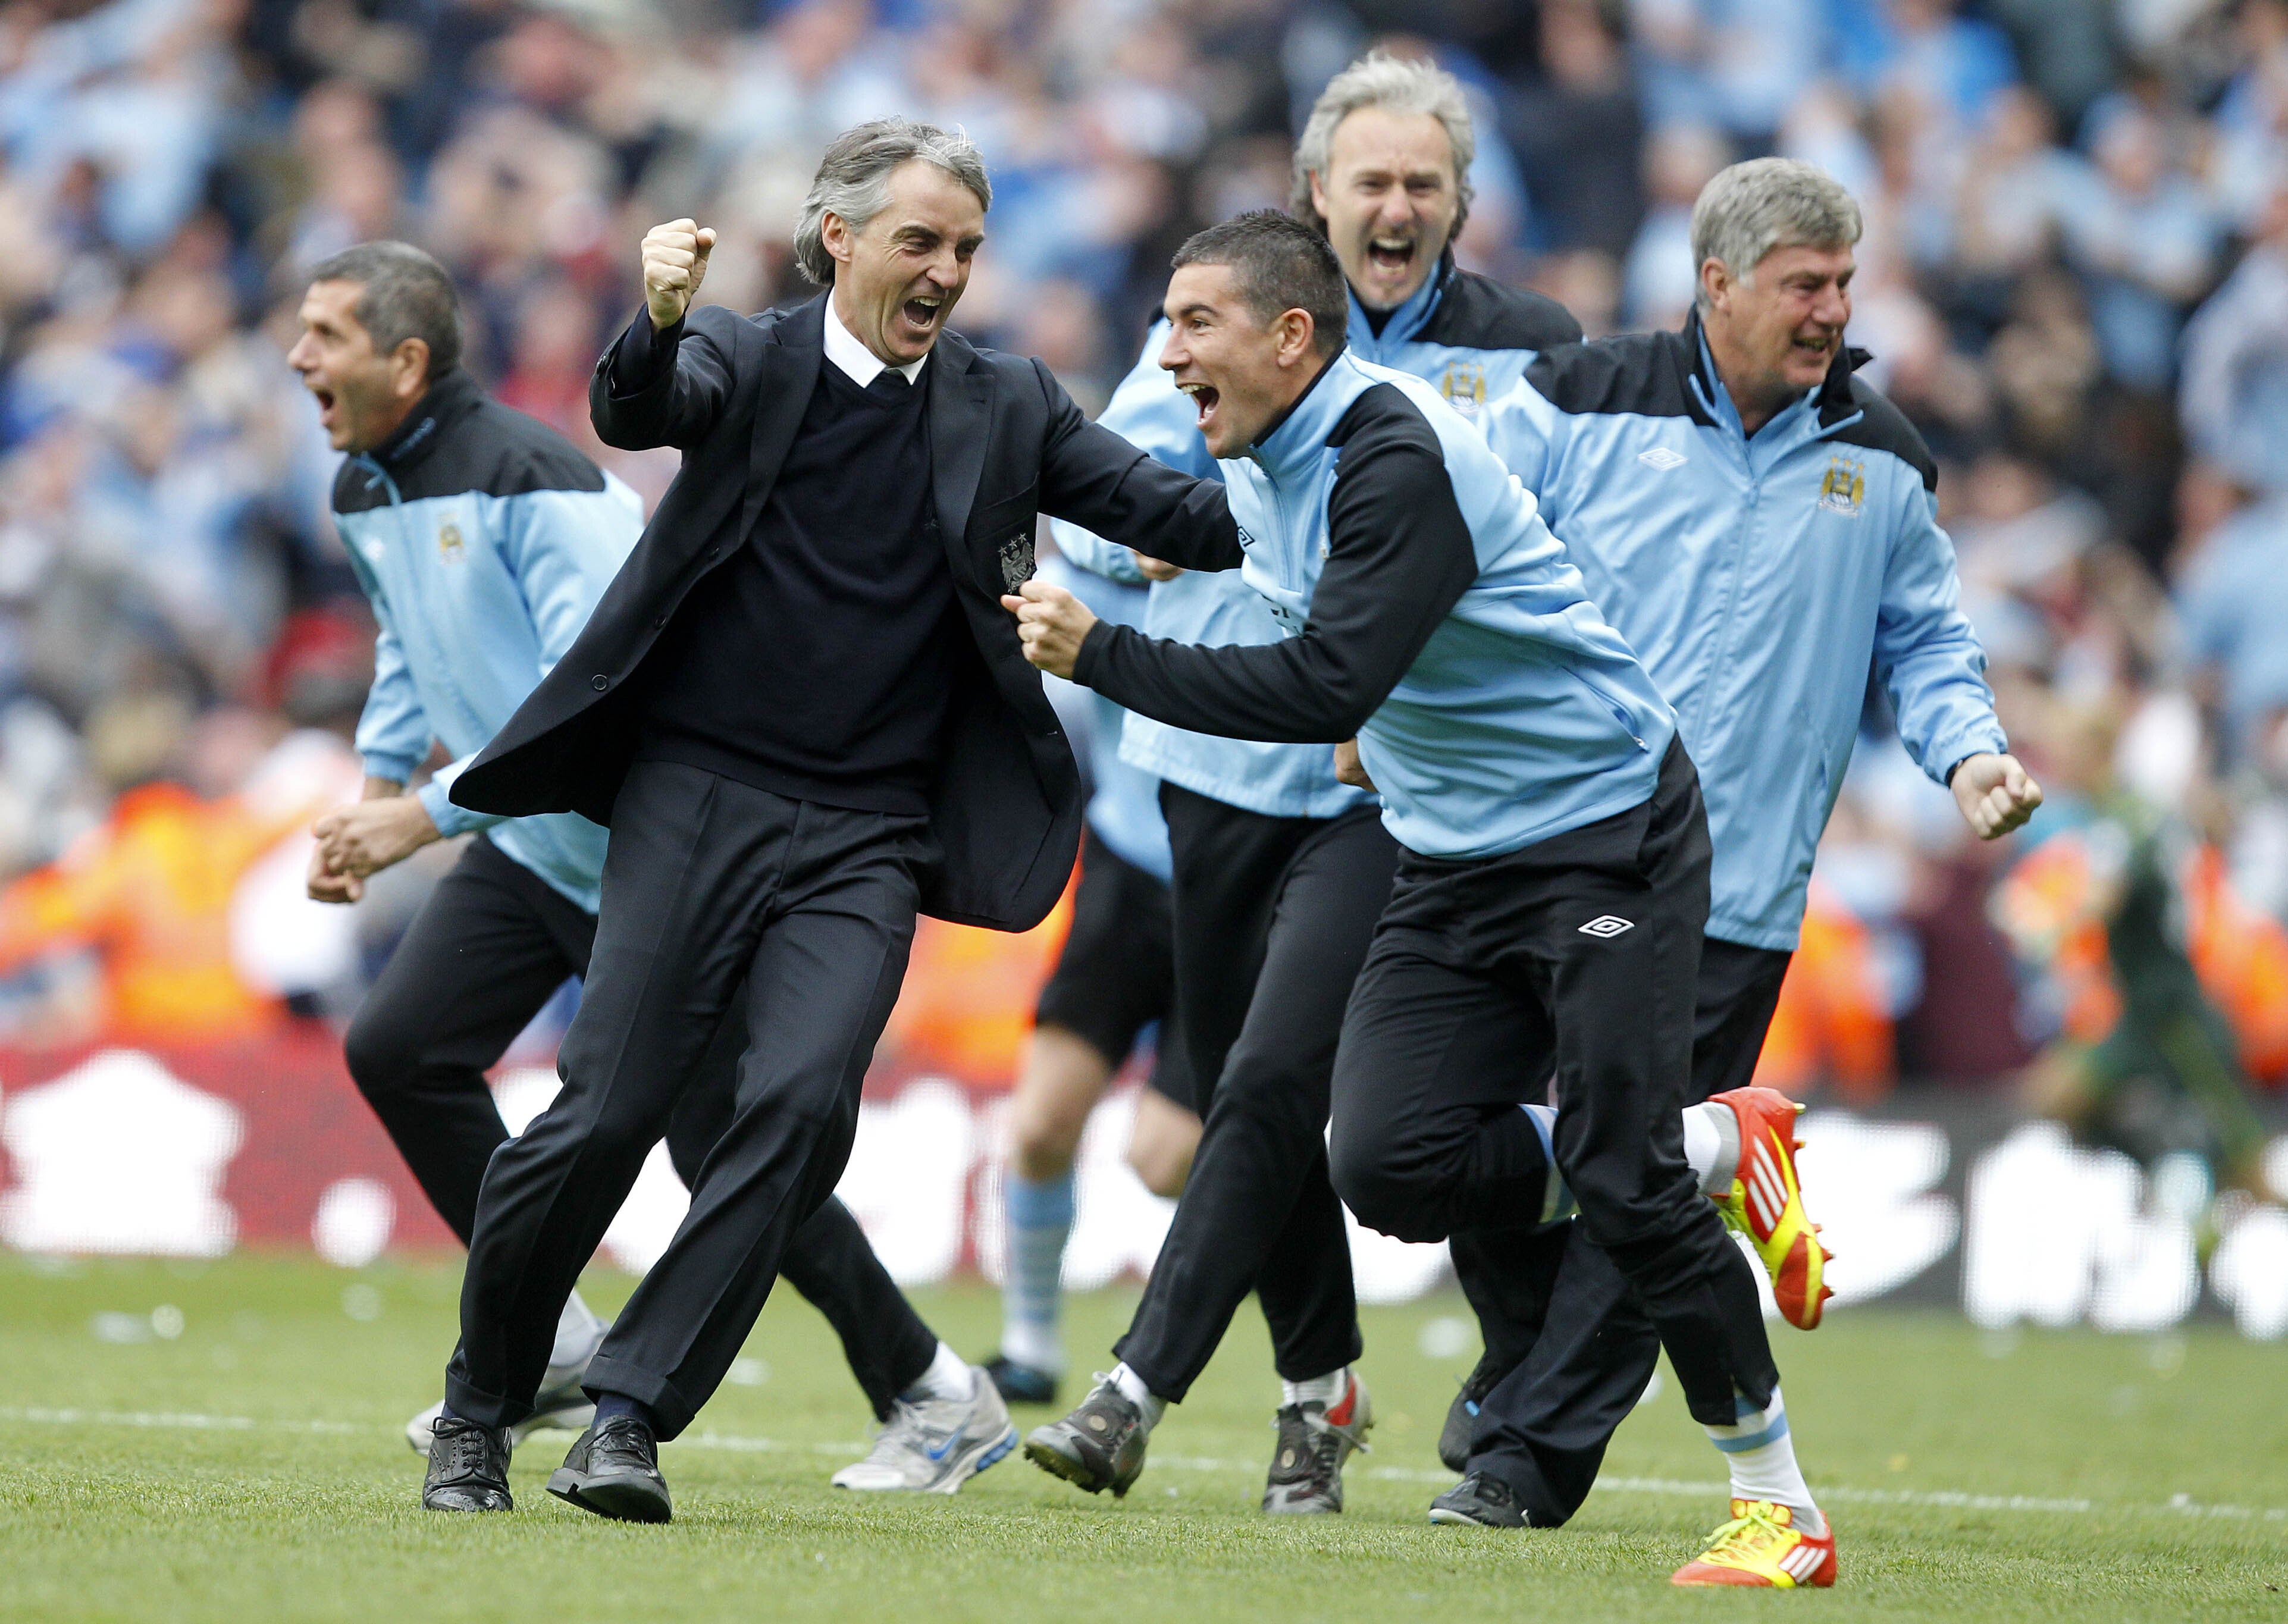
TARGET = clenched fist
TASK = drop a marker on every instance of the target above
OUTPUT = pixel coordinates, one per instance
(674, 265)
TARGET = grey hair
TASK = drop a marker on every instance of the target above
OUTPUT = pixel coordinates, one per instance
(403, 293)
(1395, 84)
(853, 182)
(1750, 209)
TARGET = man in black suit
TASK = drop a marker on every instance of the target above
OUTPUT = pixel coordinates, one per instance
(840, 729)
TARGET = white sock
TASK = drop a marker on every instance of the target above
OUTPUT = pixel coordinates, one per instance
(1132, 1389)
(1712, 1145)
(949, 1376)
(1040, 1213)
(1761, 1455)
(1326, 1390)
(578, 1334)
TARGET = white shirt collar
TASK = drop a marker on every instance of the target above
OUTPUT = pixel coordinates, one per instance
(860, 364)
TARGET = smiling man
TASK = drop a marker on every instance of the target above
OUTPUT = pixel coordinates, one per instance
(1759, 524)
(1279, 869)
(804, 718)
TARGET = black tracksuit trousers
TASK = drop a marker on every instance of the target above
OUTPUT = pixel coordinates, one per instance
(1577, 1362)
(486, 950)
(1584, 947)
(1272, 918)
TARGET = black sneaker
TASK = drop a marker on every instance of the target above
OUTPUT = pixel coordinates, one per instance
(1462, 1415)
(468, 1468)
(1314, 1440)
(614, 1471)
(1020, 1383)
(1098, 1446)
(1480, 1499)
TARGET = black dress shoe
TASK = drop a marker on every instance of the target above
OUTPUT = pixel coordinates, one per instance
(1482, 1499)
(614, 1471)
(468, 1468)
(1462, 1415)
(1020, 1383)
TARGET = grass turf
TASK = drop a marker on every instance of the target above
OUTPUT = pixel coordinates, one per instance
(249, 1467)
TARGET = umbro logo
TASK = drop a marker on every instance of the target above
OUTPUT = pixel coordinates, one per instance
(1661, 459)
(1608, 925)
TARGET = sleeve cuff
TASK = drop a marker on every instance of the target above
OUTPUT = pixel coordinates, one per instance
(436, 800)
(644, 356)
(1939, 763)
(397, 769)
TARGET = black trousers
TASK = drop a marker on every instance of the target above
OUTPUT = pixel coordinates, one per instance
(487, 948)
(1272, 918)
(717, 897)
(1587, 948)
(1577, 1362)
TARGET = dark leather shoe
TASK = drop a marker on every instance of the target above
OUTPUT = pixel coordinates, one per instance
(614, 1471)
(1020, 1383)
(1482, 1499)
(468, 1468)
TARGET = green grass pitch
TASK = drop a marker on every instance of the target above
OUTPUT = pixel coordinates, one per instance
(249, 1467)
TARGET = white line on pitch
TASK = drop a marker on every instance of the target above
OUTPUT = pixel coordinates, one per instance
(2178, 1505)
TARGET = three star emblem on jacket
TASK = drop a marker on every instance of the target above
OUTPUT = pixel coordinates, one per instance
(1464, 387)
(1844, 489)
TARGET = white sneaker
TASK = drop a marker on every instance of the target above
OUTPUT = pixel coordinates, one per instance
(936, 1446)
(559, 1406)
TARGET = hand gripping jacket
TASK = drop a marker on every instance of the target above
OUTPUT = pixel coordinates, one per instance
(1760, 579)
(1466, 334)
(1428, 610)
(484, 539)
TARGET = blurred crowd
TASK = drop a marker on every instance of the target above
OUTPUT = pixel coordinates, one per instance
(2074, 279)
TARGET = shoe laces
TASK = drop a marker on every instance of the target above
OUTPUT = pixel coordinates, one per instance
(906, 1430)
(1310, 1439)
(1755, 1530)
(468, 1448)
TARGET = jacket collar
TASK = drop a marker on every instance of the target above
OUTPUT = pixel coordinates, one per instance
(1712, 403)
(1410, 320)
(447, 400)
(1292, 440)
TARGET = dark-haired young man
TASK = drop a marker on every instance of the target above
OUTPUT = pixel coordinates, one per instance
(1553, 877)
(1280, 869)
(484, 540)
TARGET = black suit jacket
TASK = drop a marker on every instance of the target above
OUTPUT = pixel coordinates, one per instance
(1006, 445)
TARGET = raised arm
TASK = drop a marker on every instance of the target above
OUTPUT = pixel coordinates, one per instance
(662, 383)
(1094, 478)
(1399, 556)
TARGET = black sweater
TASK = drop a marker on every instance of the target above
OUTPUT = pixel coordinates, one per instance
(817, 661)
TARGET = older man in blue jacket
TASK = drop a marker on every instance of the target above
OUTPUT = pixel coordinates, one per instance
(1759, 524)
(484, 540)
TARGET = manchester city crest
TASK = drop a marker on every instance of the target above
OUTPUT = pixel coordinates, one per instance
(449, 542)
(1844, 488)
(1016, 560)
(1464, 387)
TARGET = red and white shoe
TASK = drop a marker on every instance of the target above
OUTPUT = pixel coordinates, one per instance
(1766, 1203)
(1762, 1548)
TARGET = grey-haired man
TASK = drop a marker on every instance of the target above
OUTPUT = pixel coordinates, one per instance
(838, 731)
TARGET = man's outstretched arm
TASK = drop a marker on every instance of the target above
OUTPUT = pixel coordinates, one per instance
(662, 383)
(1400, 557)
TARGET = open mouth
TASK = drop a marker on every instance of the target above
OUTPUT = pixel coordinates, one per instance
(325, 399)
(922, 311)
(1390, 253)
(1204, 401)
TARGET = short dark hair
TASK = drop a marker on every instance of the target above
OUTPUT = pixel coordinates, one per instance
(1281, 264)
(404, 293)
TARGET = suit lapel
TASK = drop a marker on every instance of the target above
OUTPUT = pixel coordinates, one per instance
(792, 355)
(961, 413)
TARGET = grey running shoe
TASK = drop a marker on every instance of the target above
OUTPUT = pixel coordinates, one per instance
(614, 1471)
(1480, 1499)
(1462, 1415)
(936, 1446)
(468, 1468)
(1098, 1446)
(1314, 1440)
